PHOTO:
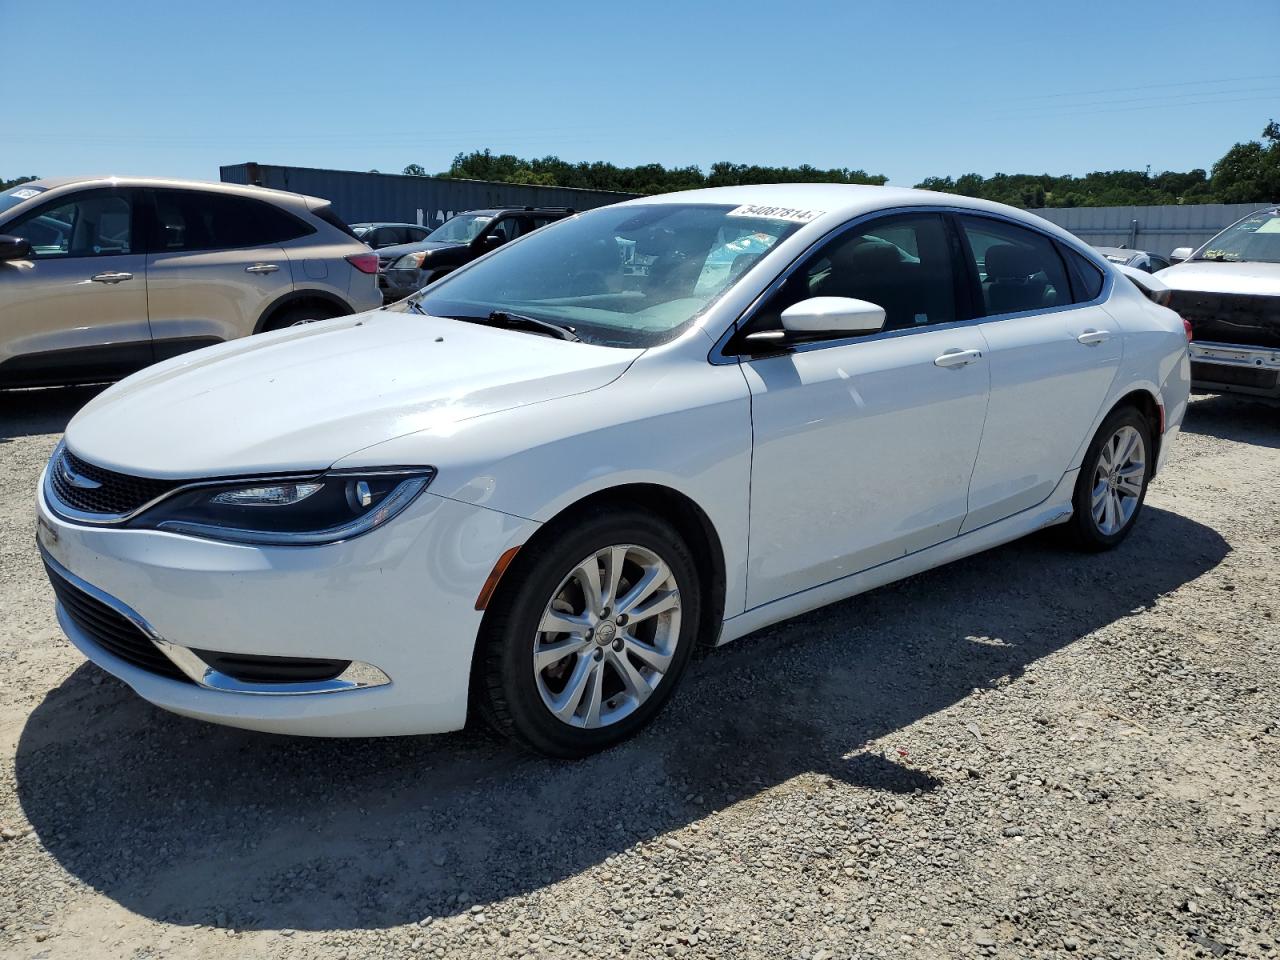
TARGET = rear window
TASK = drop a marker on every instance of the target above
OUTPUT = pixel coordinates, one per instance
(326, 214)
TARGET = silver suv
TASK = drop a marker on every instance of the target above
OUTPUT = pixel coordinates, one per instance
(102, 276)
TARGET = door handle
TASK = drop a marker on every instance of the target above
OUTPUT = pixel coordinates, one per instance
(957, 358)
(261, 268)
(111, 276)
(1091, 338)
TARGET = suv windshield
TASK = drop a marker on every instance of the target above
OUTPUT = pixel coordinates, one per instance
(461, 229)
(626, 276)
(1256, 238)
(19, 194)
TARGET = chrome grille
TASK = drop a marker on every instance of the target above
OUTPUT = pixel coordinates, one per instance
(89, 489)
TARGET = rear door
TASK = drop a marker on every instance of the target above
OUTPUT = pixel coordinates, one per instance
(1053, 353)
(215, 265)
(76, 310)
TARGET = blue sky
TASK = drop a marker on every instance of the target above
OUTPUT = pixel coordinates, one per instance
(903, 88)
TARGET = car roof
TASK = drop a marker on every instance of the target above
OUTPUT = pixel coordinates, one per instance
(374, 224)
(239, 189)
(826, 205)
(1117, 251)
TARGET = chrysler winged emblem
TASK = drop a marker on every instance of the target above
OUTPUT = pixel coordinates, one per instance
(77, 480)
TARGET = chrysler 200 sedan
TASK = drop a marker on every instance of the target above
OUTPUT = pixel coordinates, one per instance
(533, 488)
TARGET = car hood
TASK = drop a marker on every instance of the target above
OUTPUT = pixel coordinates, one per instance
(302, 398)
(400, 249)
(1210, 276)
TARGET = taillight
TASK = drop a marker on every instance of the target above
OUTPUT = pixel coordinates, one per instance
(364, 262)
(1186, 325)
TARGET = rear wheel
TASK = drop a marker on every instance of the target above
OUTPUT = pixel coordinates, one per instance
(1112, 485)
(589, 633)
(299, 313)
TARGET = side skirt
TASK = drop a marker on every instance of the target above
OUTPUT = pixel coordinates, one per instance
(1056, 509)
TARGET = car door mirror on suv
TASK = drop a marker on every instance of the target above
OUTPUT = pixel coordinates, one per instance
(833, 315)
(1182, 253)
(14, 248)
(492, 240)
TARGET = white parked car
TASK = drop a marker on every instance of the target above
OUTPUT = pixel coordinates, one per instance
(533, 488)
(1229, 292)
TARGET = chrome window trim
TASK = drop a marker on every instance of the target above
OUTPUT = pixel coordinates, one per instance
(357, 675)
(719, 357)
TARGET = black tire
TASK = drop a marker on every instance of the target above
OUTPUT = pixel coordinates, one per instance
(505, 688)
(301, 313)
(1084, 530)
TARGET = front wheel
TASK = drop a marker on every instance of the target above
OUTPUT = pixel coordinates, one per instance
(589, 633)
(1112, 485)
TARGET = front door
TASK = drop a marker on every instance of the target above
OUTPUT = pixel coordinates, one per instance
(863, 448)
(76, 309)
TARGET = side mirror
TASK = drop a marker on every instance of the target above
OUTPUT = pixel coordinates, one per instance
(492, 240)
(14, 248)
(832, 315)
(1182, 253)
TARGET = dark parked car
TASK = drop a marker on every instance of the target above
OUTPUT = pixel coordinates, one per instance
(379, 235)
(1138, 259)
(409, 267)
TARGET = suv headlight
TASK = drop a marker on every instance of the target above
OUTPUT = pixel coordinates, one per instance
(410, 261)
(290, 511)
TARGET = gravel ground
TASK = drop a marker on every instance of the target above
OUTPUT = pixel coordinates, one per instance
(1028, 753)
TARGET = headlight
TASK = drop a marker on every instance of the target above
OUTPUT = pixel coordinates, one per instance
(290, 511)
(411, 261)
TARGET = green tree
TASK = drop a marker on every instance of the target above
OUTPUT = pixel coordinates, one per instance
(414, 170)
(6, 184)
(1250, 172)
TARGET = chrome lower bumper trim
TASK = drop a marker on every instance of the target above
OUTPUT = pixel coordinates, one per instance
(1236, 355)
(358, 675)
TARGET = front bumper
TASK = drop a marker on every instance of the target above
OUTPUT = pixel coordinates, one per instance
(1234, 368)
(399, 601)
(396, 283)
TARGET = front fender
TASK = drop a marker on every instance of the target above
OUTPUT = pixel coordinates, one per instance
(670, 422)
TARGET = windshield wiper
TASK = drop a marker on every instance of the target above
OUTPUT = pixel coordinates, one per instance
(514, 321)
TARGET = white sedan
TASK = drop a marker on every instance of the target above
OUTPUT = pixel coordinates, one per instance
(534, 487)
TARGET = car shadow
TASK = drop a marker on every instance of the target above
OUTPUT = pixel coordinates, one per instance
(29, 413)
(1234, 417)
(191, 823)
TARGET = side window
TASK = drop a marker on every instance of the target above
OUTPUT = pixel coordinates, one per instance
(187, 220)
(902, 263)
(508, 228)
(543, 221)
(1158, 263)
(97, 223)
(1086, 278)
(1018, 269)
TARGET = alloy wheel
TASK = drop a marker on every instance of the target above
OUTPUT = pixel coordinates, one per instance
(1118, 480)
(608, 636)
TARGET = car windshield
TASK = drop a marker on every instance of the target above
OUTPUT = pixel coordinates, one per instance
(463, 228)
(19, 194)
(1255, 238)
(626, 276)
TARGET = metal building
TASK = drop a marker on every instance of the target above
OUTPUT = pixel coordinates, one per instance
(1158, 229)
(359, 197)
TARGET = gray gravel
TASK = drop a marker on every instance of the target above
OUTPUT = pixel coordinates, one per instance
(1029, 753)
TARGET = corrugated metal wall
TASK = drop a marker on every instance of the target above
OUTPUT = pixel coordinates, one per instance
(1158, 229)
(361, 197)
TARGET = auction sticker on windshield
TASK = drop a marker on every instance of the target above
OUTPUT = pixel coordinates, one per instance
(789, 214)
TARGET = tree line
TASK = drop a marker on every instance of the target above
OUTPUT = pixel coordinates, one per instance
(1248, 173)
